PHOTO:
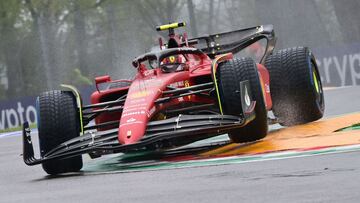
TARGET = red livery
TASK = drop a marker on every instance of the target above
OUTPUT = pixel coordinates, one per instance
(185, 91)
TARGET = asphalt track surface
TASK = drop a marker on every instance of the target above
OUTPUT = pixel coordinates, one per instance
(322, 178)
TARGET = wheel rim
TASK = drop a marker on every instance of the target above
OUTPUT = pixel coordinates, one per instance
(317, 84)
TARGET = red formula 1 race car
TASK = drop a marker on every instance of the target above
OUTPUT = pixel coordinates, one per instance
(188, 90)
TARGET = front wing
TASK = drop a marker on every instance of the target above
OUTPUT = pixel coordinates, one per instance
(169, 131)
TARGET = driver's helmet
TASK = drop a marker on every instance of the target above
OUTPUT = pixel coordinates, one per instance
(173, 63)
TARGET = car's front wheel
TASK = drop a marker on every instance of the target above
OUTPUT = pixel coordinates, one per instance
(230, 74)
(58, 121)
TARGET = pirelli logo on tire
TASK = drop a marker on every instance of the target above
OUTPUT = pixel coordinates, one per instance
(246, 95)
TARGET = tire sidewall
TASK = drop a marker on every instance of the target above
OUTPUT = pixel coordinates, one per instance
(313, 65)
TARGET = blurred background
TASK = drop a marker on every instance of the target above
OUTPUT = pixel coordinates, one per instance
(44, 43)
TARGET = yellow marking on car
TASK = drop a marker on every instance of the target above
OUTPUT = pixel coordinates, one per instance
(213, 66)
(171, 26)
(316, 82)
(78, 102)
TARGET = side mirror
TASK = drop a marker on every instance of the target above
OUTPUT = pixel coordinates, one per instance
(101, 79)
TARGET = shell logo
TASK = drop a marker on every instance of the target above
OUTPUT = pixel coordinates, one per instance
(139, 94)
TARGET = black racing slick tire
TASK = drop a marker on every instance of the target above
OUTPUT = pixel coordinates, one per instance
(230, 74)
(295, 86)
(58, 121)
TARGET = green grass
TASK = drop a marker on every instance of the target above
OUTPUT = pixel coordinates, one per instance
(17, 128)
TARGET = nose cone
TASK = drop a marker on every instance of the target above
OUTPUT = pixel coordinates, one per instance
(131, 133)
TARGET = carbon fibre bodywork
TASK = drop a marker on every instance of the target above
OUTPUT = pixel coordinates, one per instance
(160, 134)
(159, 109)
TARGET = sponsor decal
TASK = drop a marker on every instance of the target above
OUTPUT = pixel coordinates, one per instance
(339, 65)
(247, 98)
(136, 122)
(131, 108)
(178, 84)
(267, 88)
(152, 82)
(14, 117)
(128, 133)
(139, 94)
(148, 72)
(131, 120)
(133, 113)
(136, 101)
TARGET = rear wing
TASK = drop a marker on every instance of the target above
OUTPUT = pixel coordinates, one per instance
(235, 41)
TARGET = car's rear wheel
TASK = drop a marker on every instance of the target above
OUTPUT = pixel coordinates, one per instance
(230, 74)
(58, 121)
(295, 86)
